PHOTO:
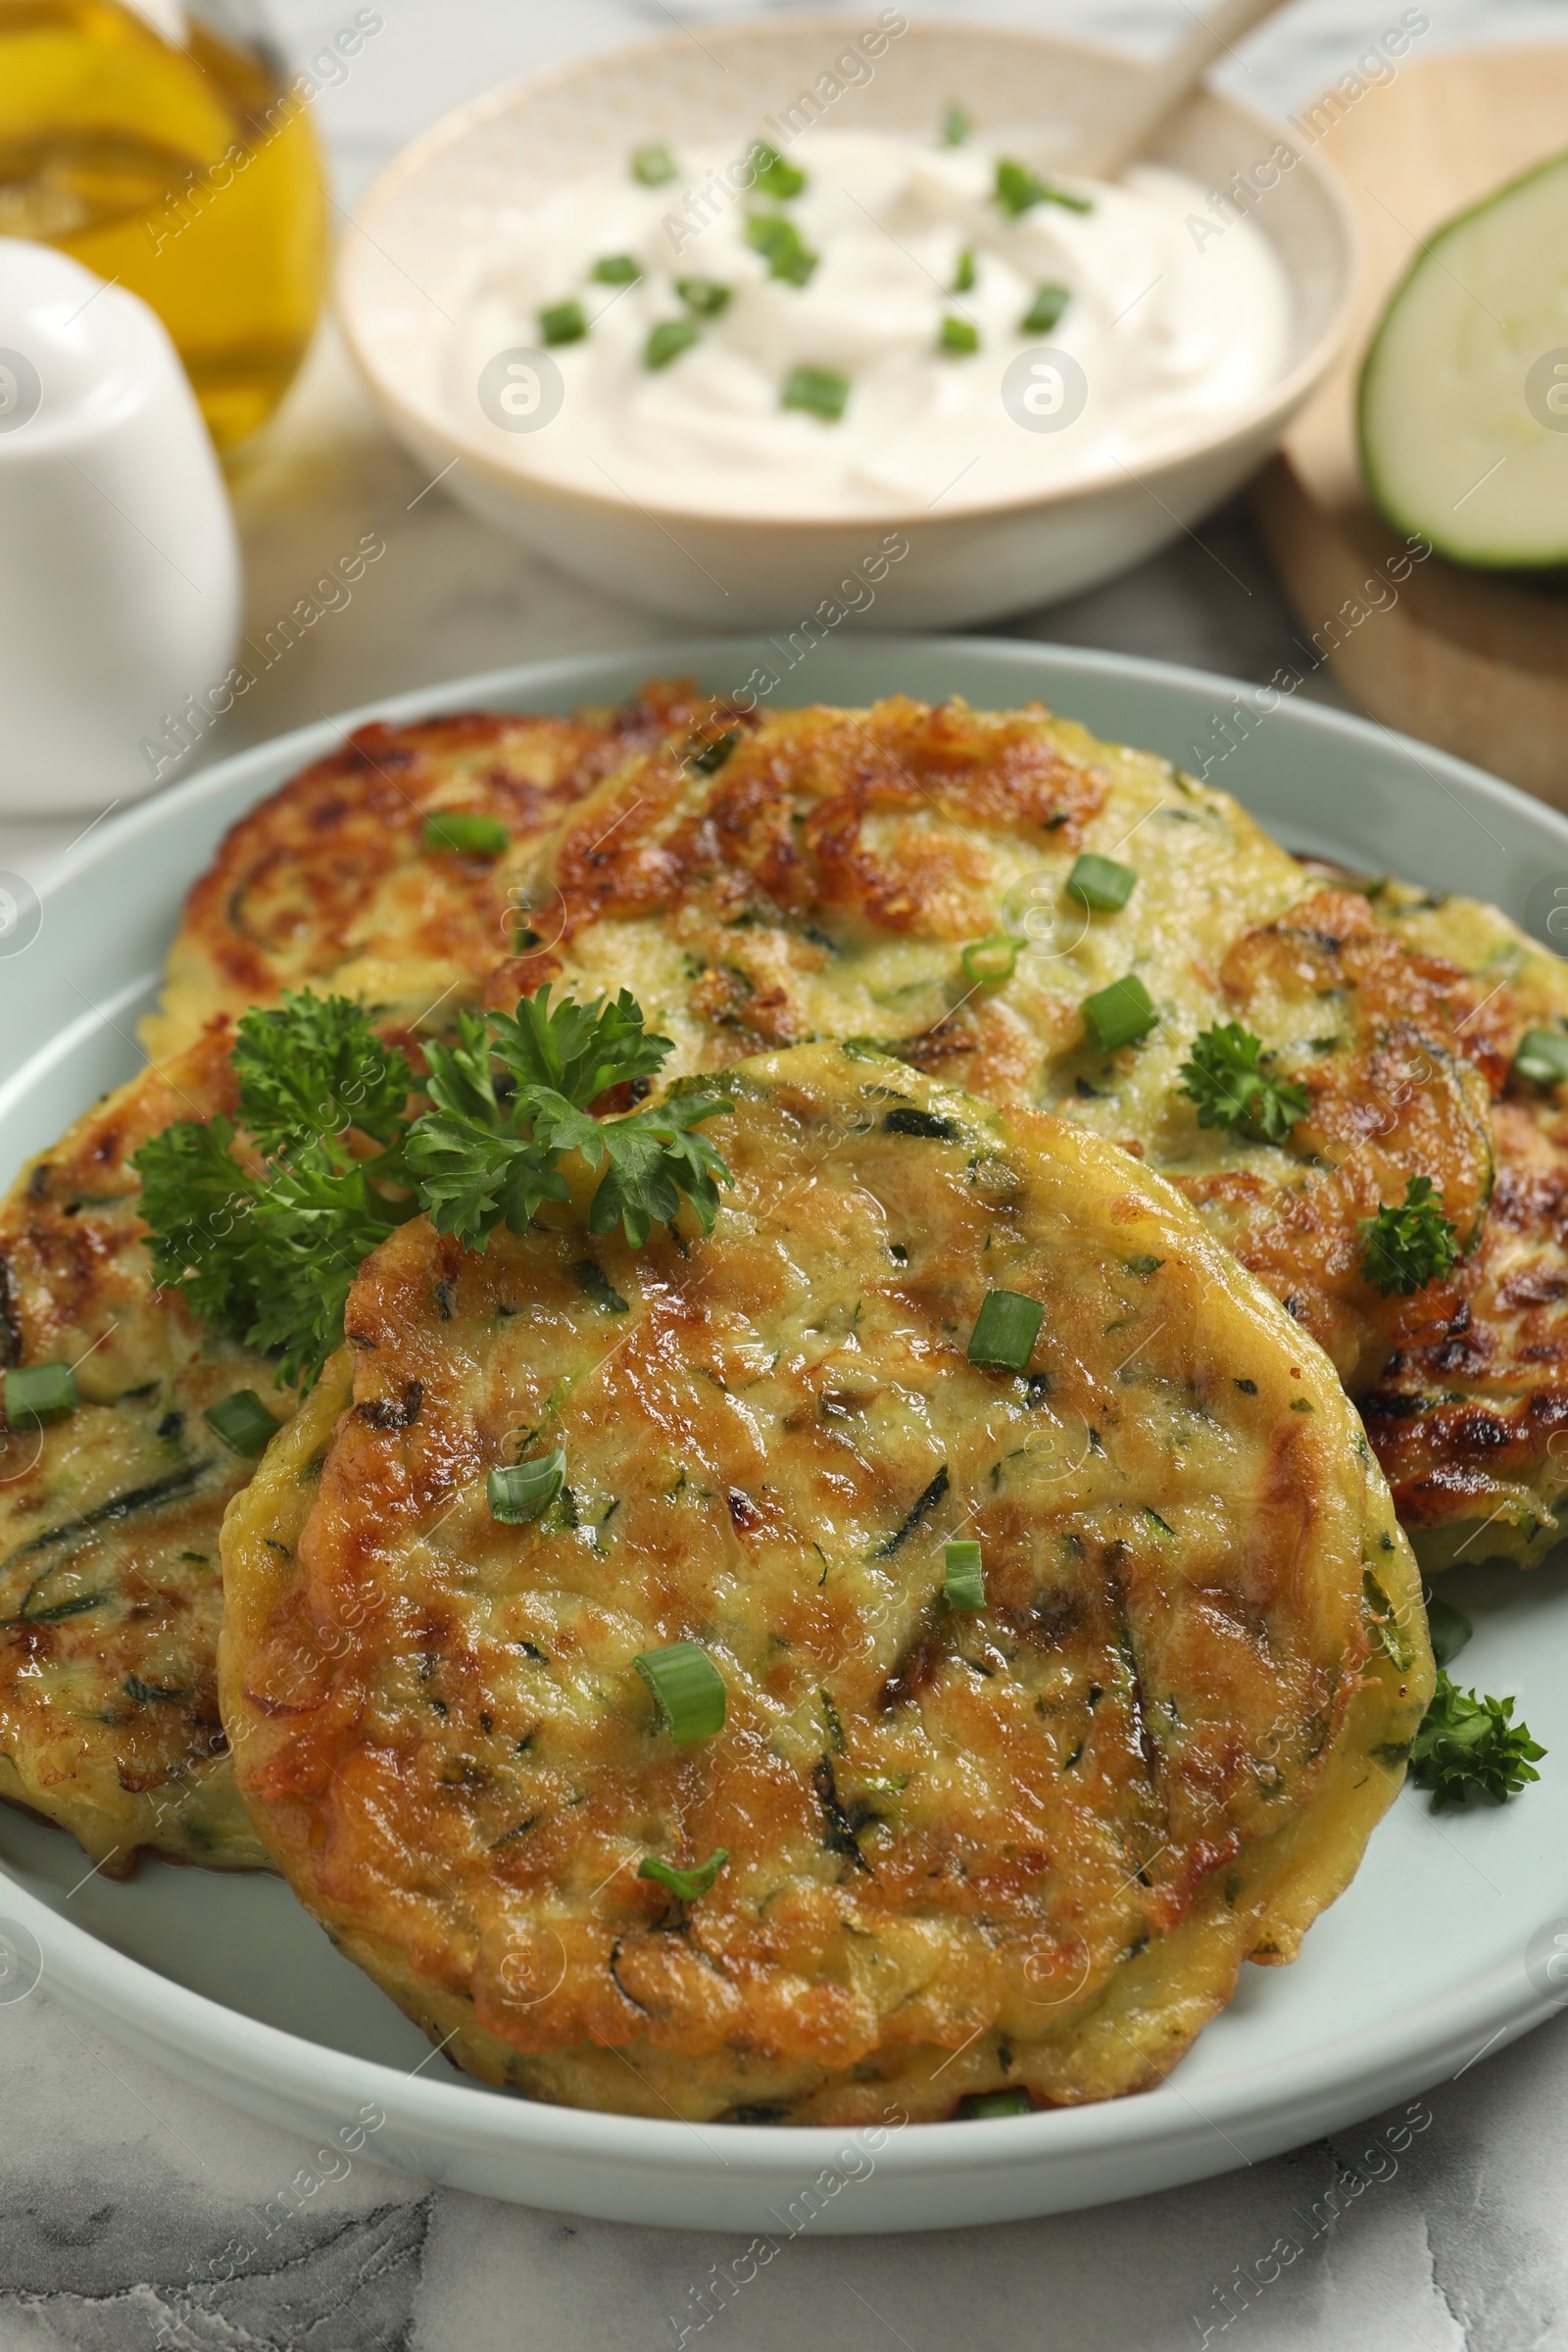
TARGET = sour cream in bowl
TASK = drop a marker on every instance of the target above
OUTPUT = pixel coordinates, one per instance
(740, 332)
(873, 322)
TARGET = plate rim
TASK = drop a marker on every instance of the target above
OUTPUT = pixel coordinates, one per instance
(1383, 2061)
(677, 655)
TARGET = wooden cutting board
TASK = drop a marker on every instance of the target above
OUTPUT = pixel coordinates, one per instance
(1473, 662)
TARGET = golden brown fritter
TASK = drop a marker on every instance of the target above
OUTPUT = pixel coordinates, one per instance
(330, 883)
(109, 1521)
(826, 879)
(1028, 1845)
(875, 874)
(1469, 1414)
(110, 1590)
(1381, 1039)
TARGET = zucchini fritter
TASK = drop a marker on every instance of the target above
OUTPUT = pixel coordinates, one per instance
(110, 1590)
(1470, 1415)
(902, 875)
(330, 883)
(1026, 1845)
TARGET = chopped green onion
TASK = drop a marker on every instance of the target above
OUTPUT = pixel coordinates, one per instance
(1045, 310)
(527, 1490)
(1006, 1330)
(1101, 883)
(994, 960)
(960, 336)
(564, 322)
(956, 126)
(1543, 1057)
(781, 246)
(39, 1392)
(983, 2103)
(774, 175)
(964, 275)
(242, 1421)
(820, 390)
(685, 1885)
(1121, 1014)
(963, 1578)
(1018, 190)
(479, 836)
(704, 295)
(617, 270)
(653, 165)
(689, 1689)
(670, 338)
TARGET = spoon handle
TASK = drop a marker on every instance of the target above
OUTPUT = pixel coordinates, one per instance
(1103, 152)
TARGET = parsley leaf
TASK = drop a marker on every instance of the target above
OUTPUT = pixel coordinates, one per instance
(1410, 1244)
(315, 1066)
(1227, 1080)
(482, 1160)
(197, 1200)
(262, 1226)
(1469, 1743)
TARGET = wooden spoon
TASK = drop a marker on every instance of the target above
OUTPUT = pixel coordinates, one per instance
(1103, 153)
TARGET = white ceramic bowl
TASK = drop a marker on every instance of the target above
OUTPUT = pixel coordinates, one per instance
(1415, 1971)
(413, 255)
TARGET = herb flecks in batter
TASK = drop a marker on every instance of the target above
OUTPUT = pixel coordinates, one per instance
(922, 1508)
(595, 1285)
(1410, 1244)
(1227, 1080)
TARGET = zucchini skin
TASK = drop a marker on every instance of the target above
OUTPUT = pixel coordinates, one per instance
(1398, 516)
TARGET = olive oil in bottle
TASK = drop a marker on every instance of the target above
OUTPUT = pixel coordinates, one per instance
(184, 167)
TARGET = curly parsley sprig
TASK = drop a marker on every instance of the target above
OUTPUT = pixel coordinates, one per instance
(1227, 1080)
(483, 1156)
(1467, 1742)
(262, 1225)
(1410, 1243)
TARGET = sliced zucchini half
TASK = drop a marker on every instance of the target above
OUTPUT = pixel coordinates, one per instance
(1464, 408)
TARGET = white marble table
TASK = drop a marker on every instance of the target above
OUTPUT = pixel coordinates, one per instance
(118, 2186)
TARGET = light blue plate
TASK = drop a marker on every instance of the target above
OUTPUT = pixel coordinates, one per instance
(1439, 1952)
